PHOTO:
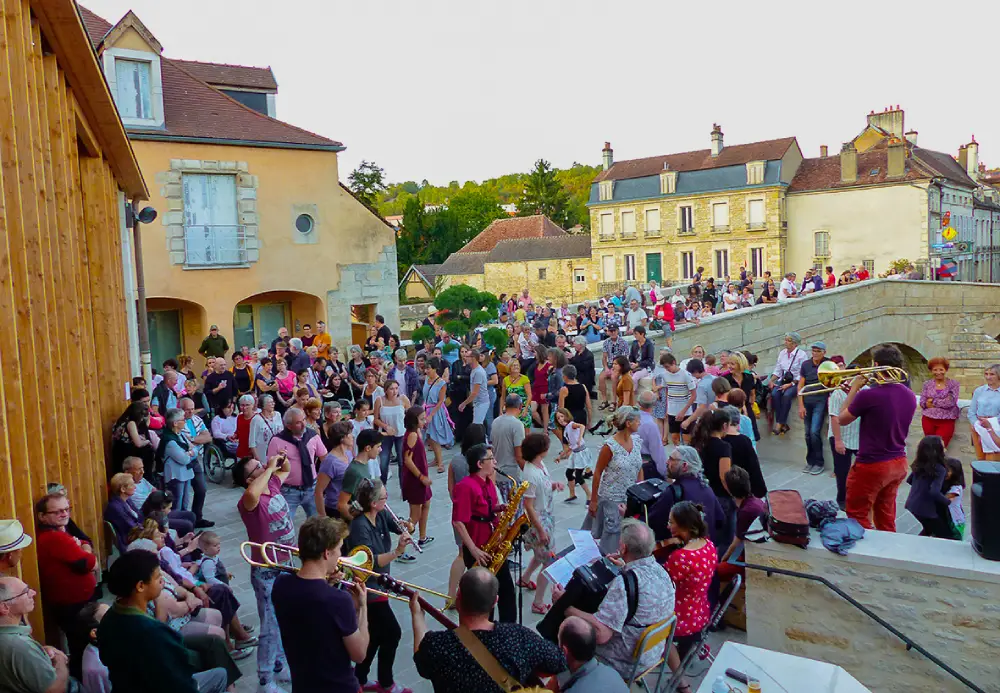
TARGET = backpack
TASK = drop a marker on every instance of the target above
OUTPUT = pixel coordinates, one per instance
(787, 520)
(631, 594)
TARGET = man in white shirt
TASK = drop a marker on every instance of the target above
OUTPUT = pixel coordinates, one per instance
(787, 290)
(783, 381)
(682, 389)
(636, 315)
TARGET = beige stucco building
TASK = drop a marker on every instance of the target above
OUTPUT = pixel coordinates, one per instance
(254, 229)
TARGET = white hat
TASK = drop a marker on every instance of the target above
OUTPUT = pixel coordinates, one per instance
(12, 536)
(431, 310)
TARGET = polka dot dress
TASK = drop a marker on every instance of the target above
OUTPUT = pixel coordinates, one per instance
(692, 573)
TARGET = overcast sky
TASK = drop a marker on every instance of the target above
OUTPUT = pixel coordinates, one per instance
(468, 89)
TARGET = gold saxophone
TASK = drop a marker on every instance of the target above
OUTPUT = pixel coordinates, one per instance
(508, 529)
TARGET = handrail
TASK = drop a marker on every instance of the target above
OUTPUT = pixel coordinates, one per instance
(910, 643)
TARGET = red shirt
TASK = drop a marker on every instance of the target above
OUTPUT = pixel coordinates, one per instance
(64, 568)
(243, 437)
(692, 572)
(475, 499)
(665, 312)
(830, 282)
(862, 274)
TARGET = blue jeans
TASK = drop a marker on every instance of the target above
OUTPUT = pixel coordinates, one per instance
(815, 415)
(212, 681)
(782, 402)
(180, 490)
(270, 653)
(296, 498)
(388, 444)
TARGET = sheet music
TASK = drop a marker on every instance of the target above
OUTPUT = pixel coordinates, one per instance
(585, 552)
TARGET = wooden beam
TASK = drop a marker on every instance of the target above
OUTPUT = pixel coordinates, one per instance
(86, 135)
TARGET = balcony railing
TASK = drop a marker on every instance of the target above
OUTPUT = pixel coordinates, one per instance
(215, 245)
(720, 228)
(756, 225)
(606, 237)
(620, 285)
(653, 233)
(686, 232)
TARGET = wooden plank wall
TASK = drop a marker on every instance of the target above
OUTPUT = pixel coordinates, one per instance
(63, 338)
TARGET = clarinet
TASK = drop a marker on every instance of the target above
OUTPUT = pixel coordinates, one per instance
(402, 528)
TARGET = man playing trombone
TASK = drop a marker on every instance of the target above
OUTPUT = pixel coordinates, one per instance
(324, 629)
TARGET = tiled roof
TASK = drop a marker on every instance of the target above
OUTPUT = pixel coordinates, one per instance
(463, 263)
(824, 173)
(733, 155)
(429, 272)
(194, 110)
(220, 74)
(537, 226)
(554, 248)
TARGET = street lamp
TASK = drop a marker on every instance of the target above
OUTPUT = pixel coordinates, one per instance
(146, 216)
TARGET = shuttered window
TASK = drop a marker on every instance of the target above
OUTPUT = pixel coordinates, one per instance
(720, 214)
(607, 225)
(628, 224)
(133, 85)
(755, 214)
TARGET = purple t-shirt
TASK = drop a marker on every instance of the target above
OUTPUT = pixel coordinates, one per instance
(751, 509)
(885, 412)
(334, 469)
(314, 618)
(269, 521)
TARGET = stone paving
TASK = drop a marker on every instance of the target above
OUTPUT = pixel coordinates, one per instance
(782, 459)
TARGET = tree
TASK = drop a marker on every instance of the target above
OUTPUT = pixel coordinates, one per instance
(543, 194)
(455, 301)
(474, 211)
(367, 182)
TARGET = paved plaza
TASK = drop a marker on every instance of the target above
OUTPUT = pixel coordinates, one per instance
(782, 459)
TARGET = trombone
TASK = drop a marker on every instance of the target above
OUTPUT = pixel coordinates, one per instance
(356, 566)
(832, 378)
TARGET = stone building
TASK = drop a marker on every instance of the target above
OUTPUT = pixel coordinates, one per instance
(525, 253)
(254, 231)
(660, 218)
(420, 282)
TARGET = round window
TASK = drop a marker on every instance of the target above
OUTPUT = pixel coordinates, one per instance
(304, 223)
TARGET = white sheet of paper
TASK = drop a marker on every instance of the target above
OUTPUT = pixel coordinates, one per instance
(586, 552)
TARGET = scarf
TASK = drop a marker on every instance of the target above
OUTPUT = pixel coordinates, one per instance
(165, 438)
(308, 472)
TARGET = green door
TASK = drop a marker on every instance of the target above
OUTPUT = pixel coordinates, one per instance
(654, 268)
(271, 318)
(243, 327)
(164, 336)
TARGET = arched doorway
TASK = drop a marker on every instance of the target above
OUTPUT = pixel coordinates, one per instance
(176, 327)
(914, 363)
(257, 318)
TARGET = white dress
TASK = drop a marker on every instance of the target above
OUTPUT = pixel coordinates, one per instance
(579, 457)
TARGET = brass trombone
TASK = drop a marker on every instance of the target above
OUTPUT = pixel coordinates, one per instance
(357, 565)
(832, 378)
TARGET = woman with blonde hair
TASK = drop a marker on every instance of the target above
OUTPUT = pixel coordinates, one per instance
(619, 466)
(741, 378)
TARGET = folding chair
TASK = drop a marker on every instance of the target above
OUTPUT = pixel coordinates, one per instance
(659, 635)
(713, 622)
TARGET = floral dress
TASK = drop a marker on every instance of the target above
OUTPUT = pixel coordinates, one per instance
(692, 573)
(541, 491)
(438, 427)
(518, 389)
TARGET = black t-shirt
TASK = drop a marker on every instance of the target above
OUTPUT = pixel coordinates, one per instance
(212, 380)
(375, 536)
(314, 618)
(710, 296)
(384, 332)
(810, 371)
(242, 379)
(743, 455)
(444, 661)
(715, 450)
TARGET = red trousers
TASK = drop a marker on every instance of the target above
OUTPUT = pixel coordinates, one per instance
(871, 490)
(939, 427)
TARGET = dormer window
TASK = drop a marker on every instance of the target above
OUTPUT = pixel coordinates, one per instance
(755, 172)
(134, 91)
(606, 189)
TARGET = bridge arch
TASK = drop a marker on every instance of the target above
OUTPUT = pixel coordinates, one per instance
(914, 362)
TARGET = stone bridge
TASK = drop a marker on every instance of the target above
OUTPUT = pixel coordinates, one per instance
(960, 321)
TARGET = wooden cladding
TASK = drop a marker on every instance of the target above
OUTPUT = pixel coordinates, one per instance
(63, 339)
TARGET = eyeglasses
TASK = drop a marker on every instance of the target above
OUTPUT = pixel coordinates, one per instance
(16, 596)
(60, 511)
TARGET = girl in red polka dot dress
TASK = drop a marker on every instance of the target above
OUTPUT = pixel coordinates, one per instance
(691, 567)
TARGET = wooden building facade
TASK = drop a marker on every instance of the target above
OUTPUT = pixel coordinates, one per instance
(66, 168)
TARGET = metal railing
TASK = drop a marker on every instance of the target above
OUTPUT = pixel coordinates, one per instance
(611, 287)
(910, 643)
(720, 228)
(215, 245)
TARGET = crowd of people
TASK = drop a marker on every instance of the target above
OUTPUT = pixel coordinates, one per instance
(307, 430)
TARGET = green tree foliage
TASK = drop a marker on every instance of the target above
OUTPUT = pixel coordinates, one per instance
(367, 182)
(474, 211)
(544, 194)
(463, 308)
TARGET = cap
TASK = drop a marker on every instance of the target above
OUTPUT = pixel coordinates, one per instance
(431, 310)
(213, 327)
(818, 345)
(12, 536)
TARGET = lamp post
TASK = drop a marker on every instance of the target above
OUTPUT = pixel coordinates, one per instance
(146, 216)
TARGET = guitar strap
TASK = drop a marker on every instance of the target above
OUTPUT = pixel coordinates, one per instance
(486, 660)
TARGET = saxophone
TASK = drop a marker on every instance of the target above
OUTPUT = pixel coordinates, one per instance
(508, 529)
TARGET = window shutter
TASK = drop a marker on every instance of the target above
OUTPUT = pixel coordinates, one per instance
(720, 214)
(756, 212)
(652, 220)
(628, 223)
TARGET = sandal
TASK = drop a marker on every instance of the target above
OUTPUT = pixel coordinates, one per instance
(529, 585)
(541, 609)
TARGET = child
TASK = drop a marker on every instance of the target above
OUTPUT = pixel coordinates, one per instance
(710, 366)
(575, 450)
(954, 481)
(660, 376)
(927, 501)
(538, 508)
(211, 571)
(360, 421)
(95, 678)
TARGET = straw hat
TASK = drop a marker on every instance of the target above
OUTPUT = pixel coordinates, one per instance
(12, 536)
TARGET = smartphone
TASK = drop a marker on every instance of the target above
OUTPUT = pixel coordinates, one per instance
(738, 676)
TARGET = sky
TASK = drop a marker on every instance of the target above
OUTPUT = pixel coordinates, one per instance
(467, 89)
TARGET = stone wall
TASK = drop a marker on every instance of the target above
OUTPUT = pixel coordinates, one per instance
(952, 319)
(937, 592)
(556, 285)
(370, 283)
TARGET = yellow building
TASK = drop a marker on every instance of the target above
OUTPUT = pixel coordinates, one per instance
(254, 231)
(662, 217)
(525, 253)
(420, 282)
(881, 199)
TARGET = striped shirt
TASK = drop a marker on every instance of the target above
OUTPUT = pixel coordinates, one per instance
(848, 434)
(679, 388)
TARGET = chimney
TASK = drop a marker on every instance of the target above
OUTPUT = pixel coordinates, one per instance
(911, 137)
(897, 159)
(824, 151)
(972, 166)
(963, 156)
(609, 155)
(848, 163)
(716, 139)
(890, 120)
